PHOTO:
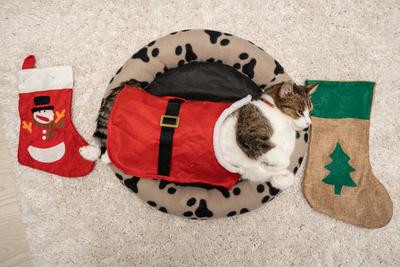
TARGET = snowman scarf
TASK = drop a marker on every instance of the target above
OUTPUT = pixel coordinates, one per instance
(49, 126)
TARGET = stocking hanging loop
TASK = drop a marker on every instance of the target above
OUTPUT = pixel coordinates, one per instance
(29, 62)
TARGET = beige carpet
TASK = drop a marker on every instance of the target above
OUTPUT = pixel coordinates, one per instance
(95, 221)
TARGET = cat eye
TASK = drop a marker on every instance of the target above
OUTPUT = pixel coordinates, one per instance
(299, 112)
(288, 107)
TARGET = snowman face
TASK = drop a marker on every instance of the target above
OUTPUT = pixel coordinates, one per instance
(44, 116)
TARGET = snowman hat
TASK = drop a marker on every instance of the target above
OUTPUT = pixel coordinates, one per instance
(42, 103)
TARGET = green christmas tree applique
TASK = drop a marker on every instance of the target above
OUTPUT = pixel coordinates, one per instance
(340, 170)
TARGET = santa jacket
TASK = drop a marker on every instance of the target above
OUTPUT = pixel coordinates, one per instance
(137, 122)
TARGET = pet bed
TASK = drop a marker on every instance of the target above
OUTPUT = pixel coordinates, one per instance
(210, 66)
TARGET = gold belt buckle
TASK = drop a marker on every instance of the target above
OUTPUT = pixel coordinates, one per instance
(169, 125)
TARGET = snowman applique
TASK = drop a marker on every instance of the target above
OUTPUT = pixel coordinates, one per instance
(47, 145)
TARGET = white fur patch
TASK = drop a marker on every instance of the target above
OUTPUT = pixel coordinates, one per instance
(272, 166)
(303, 122)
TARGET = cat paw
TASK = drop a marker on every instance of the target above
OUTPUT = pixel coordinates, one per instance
(90, 152)
(276, 158)
(282, 181)
(254, 173)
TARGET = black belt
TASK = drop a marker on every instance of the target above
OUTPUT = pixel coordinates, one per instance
(168, 122)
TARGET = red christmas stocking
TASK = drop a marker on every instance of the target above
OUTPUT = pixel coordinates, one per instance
(48, 140)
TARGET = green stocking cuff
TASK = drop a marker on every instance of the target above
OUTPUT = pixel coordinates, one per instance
(339, 100)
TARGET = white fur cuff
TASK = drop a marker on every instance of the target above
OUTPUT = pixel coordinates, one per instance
(217, 133)
(53, 78)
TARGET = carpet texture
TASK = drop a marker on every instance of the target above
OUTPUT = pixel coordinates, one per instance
(95, 221)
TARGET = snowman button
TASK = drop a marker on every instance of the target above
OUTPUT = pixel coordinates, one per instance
(44, 137)
(44, 132)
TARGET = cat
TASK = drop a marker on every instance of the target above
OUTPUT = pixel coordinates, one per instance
(259, 138)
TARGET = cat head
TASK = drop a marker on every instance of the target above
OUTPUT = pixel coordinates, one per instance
(293, 100)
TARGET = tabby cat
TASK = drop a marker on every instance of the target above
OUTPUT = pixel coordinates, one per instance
(260, 137)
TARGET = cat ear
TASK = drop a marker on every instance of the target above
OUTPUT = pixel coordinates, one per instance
(286, 89)
(311, 88)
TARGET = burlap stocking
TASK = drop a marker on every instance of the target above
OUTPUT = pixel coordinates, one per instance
(338, 178)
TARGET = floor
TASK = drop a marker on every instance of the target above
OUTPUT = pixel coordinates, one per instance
(94, 221)
(13, 245)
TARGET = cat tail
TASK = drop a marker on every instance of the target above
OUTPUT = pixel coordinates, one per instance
(98, 148)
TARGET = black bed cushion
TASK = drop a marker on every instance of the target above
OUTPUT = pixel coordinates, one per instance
(206, 81)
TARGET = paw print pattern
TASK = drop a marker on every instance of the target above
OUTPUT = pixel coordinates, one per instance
(142, 54)
(131, 182)
(215, 35)
(234, 212)
(164, 184)
(154, 205)
(304, 134)
(200, 212)
(187, 51)
(278, 68)
(266, 190)
(246, 67)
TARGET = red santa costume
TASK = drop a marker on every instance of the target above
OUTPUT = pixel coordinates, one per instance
(169, 138)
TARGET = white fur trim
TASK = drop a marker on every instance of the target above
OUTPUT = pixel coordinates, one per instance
(47, 155)
(217, 133)
(105, 158)
(32, 80)
(91, 152)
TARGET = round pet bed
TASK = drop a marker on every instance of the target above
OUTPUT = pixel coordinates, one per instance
(213, 66)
